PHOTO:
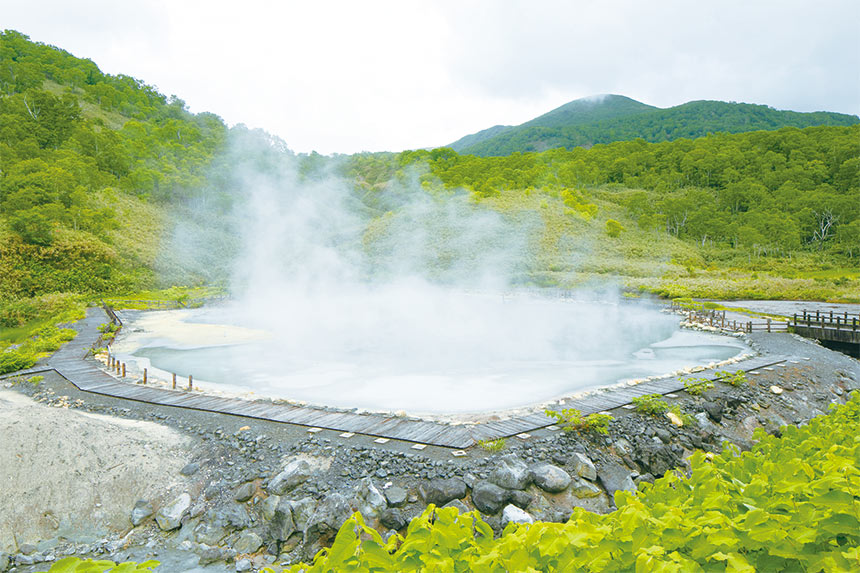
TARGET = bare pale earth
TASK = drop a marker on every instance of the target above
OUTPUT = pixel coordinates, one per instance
(76, 475)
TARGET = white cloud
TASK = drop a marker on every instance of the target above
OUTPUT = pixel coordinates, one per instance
(350, 76)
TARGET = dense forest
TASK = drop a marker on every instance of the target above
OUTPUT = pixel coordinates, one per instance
(611, 118)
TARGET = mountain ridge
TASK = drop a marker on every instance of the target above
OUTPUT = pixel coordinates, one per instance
(610, 117)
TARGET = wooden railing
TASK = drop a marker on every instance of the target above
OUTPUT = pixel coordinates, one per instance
(717, 319)
(834, 320)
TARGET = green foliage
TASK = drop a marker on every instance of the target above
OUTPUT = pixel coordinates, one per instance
(28, 328)
(108, 328)
(737, 378)
(590, 121)
(34, 380)
(613, 228)
(77, 565)
(790, 504)
(697, 386)
(492, 445)
(572, 420)
(686, 419)
(650, 404)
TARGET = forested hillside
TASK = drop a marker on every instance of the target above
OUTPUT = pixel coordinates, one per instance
(86, 160)
(611, 118)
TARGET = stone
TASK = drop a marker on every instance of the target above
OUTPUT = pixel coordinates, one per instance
(714, 410)
(392, 518)
(583, 466)
(776, 390)
(513, 514)
(190, 469)
(210, 555)
(623, 447)
(520, 498)
(267, 508)
(550, 478)
(511, 473)
(26, 548)
(248, 542)
(461, 507)
(245, 492)
(243, 565)
(302, 510)
(294, 474)
(328, 517)
(374, 501)
(615, 477)
(169, 517)
(282, 524)
(664, 435)
(583, 488)
(209, 533)
(675, 419)
(142, 509)
(4, 561)
(489, 498)
(396, 496)
(441, 491)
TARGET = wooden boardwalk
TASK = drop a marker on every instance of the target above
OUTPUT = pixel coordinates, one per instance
(72, 362)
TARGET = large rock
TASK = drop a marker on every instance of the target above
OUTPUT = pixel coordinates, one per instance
(488, 497)
(511, 473)
(655, 458)
(714, 410)
(584, 489)
(461, 507)
(142, 510)
(282, 524)
(373, 500)
(245, 491)
(615, 477)
(295, 473)
(303, 510)
(550, 478)
(392, 518)
(396, 496)
(513, 514)
(328, 517)
(441, 491)
(583, 466)
(268, 507)
(170, 516)
(248, 542)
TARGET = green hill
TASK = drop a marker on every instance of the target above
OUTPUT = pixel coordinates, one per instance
(605, 119)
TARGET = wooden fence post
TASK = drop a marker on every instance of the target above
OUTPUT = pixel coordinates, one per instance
(123, 369)
(174, 380)
(144, 375)
(768, 325)
(190, 382)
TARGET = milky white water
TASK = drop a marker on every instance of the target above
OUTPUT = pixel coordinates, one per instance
(449, 352)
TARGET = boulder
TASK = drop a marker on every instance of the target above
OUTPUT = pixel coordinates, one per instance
(513, 514)
(392, 518)
(295, 473)
(248, 542)
(584, 489)
(268, 507)
(245, 491)
(373, 500)
(583, 466)
(461, 507)
(303, 509)
(714, 410)
(282, 524)
(550, 478)
(169, 517)
(441, 491)
(328, 517)
(142, 510)
(520, 498)
(511, 473)
(488, 497)
(396, 496)
(614, 477)
(243, 565)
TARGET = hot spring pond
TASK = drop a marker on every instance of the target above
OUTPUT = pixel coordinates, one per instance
(460, 353)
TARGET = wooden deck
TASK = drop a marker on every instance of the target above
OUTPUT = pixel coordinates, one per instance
(72, 362)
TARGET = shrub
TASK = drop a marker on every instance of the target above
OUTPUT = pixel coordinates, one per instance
(77, 565)
(492, 445)
(572, 420)
(697, 386)
(733, 378)
(651, 404)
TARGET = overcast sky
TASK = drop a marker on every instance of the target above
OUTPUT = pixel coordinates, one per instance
(376, 75)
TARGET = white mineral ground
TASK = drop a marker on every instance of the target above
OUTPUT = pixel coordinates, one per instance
(77, 475)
